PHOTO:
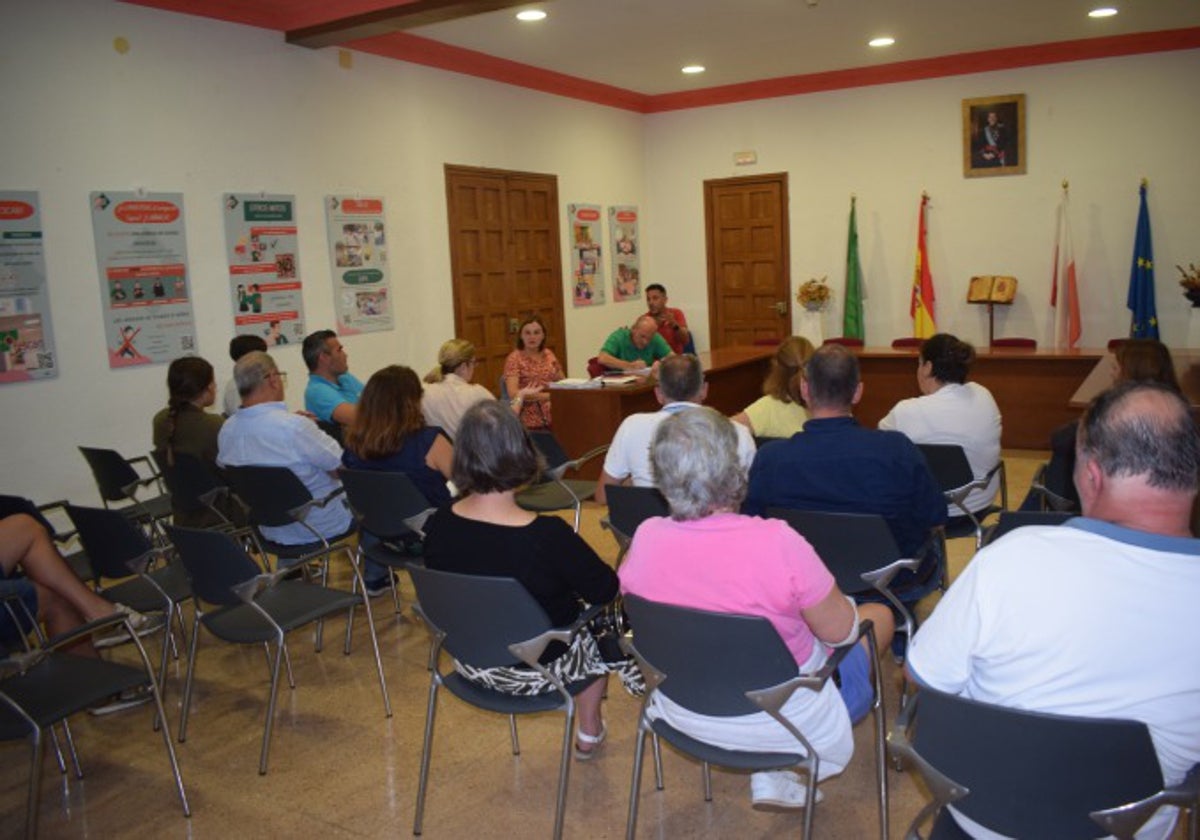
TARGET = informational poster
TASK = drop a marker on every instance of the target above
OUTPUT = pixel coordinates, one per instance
(141, 250)
(264, 267)
(26, 339)
(623, 230)
(586, 265)
(362, 295)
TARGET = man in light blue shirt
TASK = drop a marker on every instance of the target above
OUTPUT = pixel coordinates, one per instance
(332, 392)
(264, 433)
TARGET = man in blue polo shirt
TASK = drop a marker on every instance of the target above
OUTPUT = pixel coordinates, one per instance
(634, 348)
(332, 392)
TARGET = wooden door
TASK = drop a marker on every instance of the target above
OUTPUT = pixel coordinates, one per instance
(749, 285)
(504, 261)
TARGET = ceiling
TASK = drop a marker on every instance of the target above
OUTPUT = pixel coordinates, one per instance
(629, 53)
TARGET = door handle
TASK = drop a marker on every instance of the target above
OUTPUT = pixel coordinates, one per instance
(513, 326)
(781, 307)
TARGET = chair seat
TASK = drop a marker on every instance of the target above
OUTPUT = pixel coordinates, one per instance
(291, 603)
(60, 686)
(156, 507)
(508, 704)
(385, 555)
(139, 594)
(546, 498)
(737, 759)
(300, 551)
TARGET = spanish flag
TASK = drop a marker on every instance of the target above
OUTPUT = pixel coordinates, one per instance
(921, 308)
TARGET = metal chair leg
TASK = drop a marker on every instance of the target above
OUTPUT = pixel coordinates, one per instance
(564, 770)
(706, 775)
(35, 783)
(188, 680)
(635, 786)
(658, 771)
(423, 778)
(512, 734)
(269, 725)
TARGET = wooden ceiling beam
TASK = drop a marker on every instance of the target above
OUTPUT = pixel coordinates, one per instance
(392, 19)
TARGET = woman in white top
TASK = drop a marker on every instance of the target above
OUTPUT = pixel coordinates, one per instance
(449, 391)
(952, 410)
(779, 412)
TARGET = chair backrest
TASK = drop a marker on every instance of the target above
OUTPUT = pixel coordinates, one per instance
(629, 507)
(1032, 774)
(269, 492)
(215, 562)
(187, 479)
(848, 543)
(110, 538)
(481, 616)
(381, 501)
(594, 368)
(1015, 342)
(907, 343)
(949, 465)
(334, 430)
(844, 341)
(502, 388)
(710, 659)
(550, 448)
(1010, 520)
(111, 472)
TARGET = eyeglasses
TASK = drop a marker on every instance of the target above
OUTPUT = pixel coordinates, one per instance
(282, 374)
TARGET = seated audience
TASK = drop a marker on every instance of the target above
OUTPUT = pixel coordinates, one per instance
(239, 346)
(184, 425)
(680, 387)
(838, 466)
(708, 556)
(672, 325)
(332, 391)
(486, 533)
(1096, 617)
(449, 391)
(634, 348)
(527, 372)
(264, 433)
(952, 410)
(780, 412)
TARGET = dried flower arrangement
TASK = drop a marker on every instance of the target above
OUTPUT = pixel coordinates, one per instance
(814, 295)
(1190, 280)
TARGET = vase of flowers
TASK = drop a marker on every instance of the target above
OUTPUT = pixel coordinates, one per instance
(1190, 280)
(814, 295)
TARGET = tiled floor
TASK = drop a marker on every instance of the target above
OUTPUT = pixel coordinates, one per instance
(339, 768)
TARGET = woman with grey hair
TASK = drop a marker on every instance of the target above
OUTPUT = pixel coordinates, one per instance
(708, 556)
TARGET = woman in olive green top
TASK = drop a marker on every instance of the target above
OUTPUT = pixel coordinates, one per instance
(184, 425)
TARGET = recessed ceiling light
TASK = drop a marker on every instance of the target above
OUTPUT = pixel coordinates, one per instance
(692, 69)
(531, 15)
(1106, 11)
(882, 41)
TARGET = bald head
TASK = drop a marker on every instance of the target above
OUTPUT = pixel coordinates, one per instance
(642, 331)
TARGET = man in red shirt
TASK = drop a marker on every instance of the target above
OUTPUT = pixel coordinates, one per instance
(672, 325)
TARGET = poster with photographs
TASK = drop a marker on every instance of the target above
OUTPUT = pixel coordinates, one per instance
(362, 295)
(623, 232)
(261, 250)
(26, 339)
(586, 265)
(141, 251)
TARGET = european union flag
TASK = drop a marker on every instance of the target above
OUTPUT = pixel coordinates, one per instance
(1141, 279)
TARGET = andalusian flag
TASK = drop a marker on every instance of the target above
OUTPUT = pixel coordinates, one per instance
(1067, 325)
(852, 318)
(921, 308)
(1140, 301)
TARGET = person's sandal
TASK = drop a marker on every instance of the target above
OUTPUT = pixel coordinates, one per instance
(594, 741)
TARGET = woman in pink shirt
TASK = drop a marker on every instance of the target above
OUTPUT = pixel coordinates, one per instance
(709, 557)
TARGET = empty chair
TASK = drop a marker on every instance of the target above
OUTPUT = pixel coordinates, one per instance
(724, 665)
(845, 341)
(1032, 774)
(250, 607)
(118, 481)
(198, 497)
(504, 626)
(628, 507)
(1015, 342)
(1010, 520)
(952, 471)
(554, 492)
(907, 343)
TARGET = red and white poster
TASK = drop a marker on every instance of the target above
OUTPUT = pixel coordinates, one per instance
(586, 264)
(623, 233)
(362, 295)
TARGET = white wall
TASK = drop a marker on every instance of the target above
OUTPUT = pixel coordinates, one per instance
(204, 107)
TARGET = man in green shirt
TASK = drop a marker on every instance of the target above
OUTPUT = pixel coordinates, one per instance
(634, 348)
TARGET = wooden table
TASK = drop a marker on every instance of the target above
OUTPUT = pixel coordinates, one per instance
(585, 418)
(1102, 376)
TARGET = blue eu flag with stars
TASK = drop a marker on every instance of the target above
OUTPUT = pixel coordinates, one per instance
(1141, 279)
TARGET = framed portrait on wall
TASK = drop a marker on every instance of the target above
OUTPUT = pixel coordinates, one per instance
(993, 135)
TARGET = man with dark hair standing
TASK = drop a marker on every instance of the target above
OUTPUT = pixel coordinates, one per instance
(672, 325)
(332, 392)
(239, 346)
(680, 386)
(1096, 617)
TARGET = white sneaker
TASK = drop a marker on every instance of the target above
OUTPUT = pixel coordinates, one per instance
(779, 789)
(143, 625)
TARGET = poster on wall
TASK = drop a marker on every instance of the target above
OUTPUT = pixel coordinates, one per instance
(623, 232)
(262, 253)
(362, 296)
(141, 251)
(26, 339)
(586, 264)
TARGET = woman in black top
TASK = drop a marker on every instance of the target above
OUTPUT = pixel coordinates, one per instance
(486, 533)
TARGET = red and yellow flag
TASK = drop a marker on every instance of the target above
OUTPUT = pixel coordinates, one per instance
(921, 308)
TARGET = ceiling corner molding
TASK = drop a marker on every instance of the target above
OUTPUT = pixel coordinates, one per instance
(397, 18)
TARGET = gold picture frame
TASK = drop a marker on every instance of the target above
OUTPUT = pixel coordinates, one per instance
(993, 136)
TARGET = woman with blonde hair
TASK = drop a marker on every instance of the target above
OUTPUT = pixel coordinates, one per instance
(449, 391)
(528, 370)
(780, 412)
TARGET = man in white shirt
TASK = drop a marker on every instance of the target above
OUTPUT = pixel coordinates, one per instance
(680, 386)
(1096, 617)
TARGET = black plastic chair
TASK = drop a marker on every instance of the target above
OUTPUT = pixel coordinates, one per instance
(490, 622)
(120, 551)
(725, 665)
(1052, 495)
(629, 507)
(1010, 520)
(119, 481)
(197, 494)
(254, 608)
(1031, 774)
(952, 472)
(554, 492)
(45, 687)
